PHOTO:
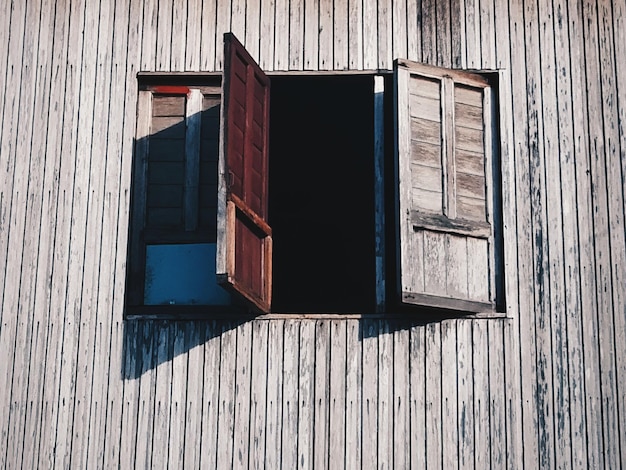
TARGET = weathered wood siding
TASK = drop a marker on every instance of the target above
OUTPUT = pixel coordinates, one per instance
(81, 388)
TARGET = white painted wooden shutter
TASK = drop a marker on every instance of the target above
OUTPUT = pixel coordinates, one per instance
(444, 146)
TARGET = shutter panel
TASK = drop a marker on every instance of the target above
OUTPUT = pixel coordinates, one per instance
(444, 176)
(244, 241)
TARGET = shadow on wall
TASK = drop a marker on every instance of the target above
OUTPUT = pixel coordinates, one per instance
(321, 212)
(150, 343)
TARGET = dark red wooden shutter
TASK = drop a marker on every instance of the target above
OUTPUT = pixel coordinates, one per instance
(244, 241)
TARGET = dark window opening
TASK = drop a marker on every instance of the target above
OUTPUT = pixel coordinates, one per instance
(321, 190)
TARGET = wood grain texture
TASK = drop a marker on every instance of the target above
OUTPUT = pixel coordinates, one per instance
(543, 387)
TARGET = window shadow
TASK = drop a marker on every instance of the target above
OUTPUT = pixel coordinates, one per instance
(150, 343)
(390, 323)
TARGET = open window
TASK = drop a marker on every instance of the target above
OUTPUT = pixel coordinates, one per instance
(381, 190)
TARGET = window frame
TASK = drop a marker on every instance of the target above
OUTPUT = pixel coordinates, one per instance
(386, 306)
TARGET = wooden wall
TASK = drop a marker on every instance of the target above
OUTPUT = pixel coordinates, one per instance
(81, 388)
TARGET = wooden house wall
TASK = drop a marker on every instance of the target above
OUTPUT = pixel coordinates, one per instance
(82, 388)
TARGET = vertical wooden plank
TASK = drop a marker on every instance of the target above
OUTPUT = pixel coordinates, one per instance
(98, 289)
(523, 264)
(493, 196)
(164, 344)
(482, 419)
(354, 386)
(612, 327)
(449, 394)
(472, 34)
(74, 365)
(243, 381)
(321, 418)
(497, 417)
(209, 41)
(355, 34)
(149, 36)
(311, 32)
(131, 373)
(385, 34)
(337, 395)
(456, 254)
(116, 212)
(434, 258)
(210, 397)
(193, 119)
(619, 40)
(385, 396)
(591, 382)
(267, 28)
(178, 401)
(273, 429)
(429, 32)
(370, 33)
(57, 40)
(258, 393)
(88, 380)
(340, 36)
(281, 35)
(443, 34)
(193, 26)
(417, 388)
(434, 449)
(180, 36)
(603, 424)
(306, 402)
(253, 24)
(61, 241)
(511, 335)
(399, 37)
(36, 263)
(291, 355)
(226, 396)
(325, 35)
(542, 275)
(146, 397)
(6, 39)
(401, 399)
(10, 112)
(487, 37)
(457, 25)
(369, 436)
(411, 243)
(17, 274)
(238, 19)
(414, 30)
(448, 148)
(503, 47)
(194, 397)
(223, 25)
(570, 316)
(296, 35)
(465, 394)
(554, 190)
(163, 37)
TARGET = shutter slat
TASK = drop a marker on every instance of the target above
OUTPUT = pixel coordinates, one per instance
(168, 105)
(423, 130)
